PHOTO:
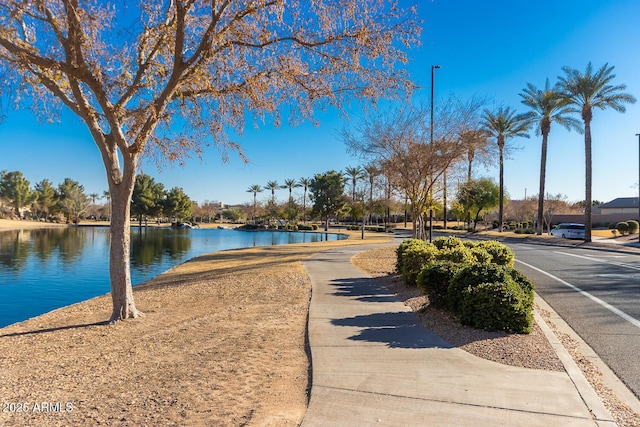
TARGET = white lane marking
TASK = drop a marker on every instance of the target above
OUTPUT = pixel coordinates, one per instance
(635, 322)
(619, 264)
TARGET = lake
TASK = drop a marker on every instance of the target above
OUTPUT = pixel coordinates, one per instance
(48, 268)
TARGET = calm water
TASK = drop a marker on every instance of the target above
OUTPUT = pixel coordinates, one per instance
(45, 269)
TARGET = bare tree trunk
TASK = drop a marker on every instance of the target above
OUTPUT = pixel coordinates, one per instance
(119, 255)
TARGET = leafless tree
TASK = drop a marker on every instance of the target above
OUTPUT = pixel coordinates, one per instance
(168, 77)
(399, 142)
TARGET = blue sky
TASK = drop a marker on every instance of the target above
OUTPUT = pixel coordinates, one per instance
(486, 48)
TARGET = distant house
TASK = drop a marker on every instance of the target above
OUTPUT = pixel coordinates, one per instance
(621, 205)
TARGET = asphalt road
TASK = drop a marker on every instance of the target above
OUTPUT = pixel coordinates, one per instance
(597, 292)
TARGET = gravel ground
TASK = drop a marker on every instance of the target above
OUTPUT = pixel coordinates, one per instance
(529, 351)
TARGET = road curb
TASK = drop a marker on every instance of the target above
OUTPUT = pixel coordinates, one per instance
(608, 377)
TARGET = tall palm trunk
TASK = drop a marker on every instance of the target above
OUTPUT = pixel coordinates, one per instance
(543, 173)
(304, 205)
(501, 208)
(586, 116)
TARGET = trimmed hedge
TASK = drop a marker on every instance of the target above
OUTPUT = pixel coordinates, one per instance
(434, 279)
(411, 256)
(476, 281)
(447, 242)
(497, 306)
(492, 297)
(459, 254)
(622, 227)
(500, 253)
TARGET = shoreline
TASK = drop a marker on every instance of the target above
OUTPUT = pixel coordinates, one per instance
(11, 227)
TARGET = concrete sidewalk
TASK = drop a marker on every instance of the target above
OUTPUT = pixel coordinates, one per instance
(374, 364)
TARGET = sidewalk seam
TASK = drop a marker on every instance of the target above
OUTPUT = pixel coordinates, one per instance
(398, 396)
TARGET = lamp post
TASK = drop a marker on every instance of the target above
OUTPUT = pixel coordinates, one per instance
(433, 73)
(638, 135)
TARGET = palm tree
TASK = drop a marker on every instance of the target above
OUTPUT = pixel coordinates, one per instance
(305, 182)
(372, 172)
(475, 141)
(273, 186)
(355, 173)
(290, 184)
(547, 106)
(255, 189)
(502, 125)
(586, 92)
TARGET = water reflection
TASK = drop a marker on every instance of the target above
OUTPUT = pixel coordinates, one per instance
(44, 269)
(150, 245)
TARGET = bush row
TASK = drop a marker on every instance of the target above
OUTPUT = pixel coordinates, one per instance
(626, 227)
(476, 281)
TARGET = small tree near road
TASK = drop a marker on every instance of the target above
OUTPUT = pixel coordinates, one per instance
(327, 194)
(478, 195)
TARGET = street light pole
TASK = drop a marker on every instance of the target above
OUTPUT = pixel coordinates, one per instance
(638, 135)
(433, 73)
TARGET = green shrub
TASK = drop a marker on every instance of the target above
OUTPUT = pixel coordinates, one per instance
(497, 306)
(305, 227)
(524, 231)
(434, 279)
(500, 253)
(633, 226)
(473, 275)
(412, 255)
(401, 249)
(459, 254)
(481, 255)
(314, 226)
(447, 242)
(622, 227)
(524, 283)
(469, 244)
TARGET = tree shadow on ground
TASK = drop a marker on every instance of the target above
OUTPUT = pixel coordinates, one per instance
(396, 329)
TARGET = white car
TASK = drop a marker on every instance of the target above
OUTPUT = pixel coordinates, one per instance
(568, 230)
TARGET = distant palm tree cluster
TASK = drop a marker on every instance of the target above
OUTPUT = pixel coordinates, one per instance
(366, 203)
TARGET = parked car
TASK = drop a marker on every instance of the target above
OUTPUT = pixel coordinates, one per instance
(568, 230)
